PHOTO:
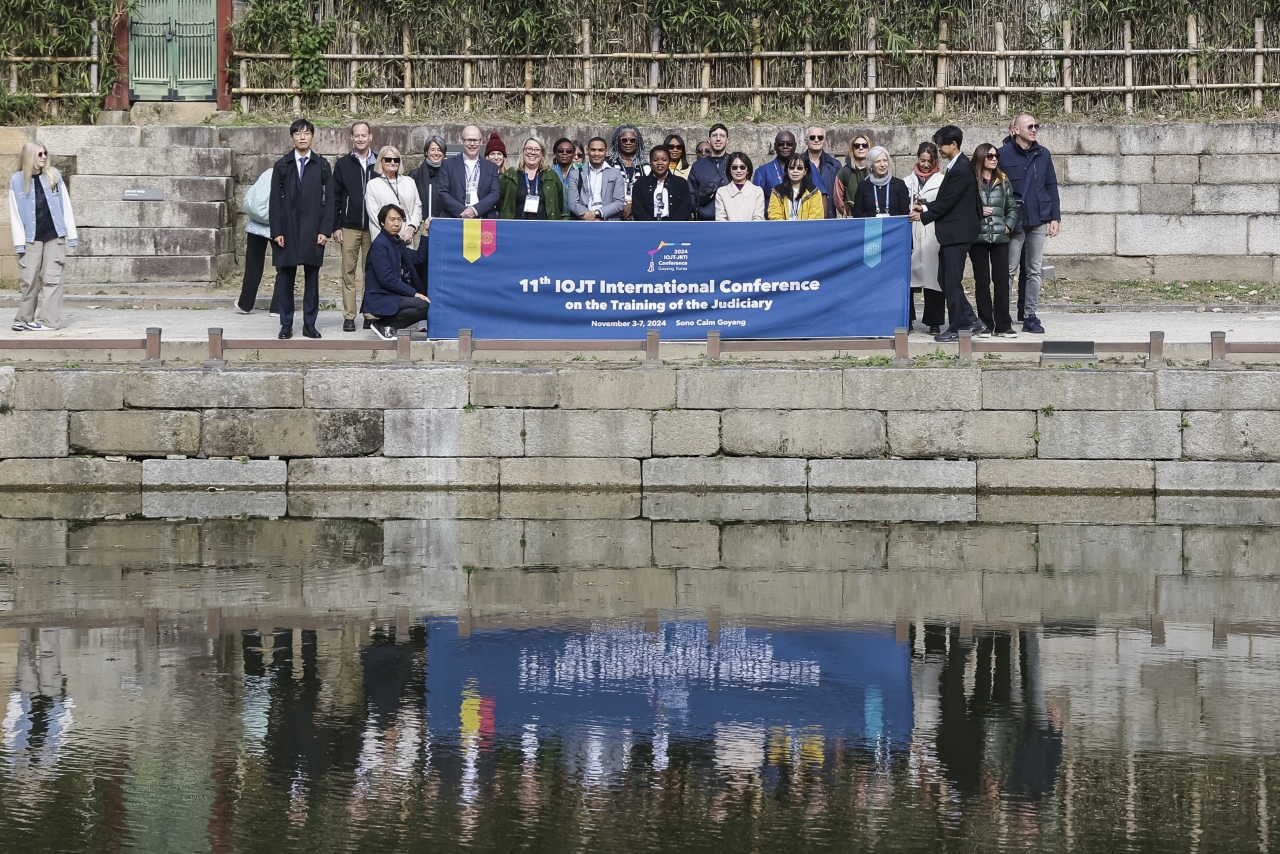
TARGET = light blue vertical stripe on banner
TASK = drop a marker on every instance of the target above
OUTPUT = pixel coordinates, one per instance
(872, 230)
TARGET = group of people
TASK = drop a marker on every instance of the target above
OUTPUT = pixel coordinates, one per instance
(994, 210)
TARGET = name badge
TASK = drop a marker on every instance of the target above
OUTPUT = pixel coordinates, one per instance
(472, 198)
(531, 204)
(881, 215)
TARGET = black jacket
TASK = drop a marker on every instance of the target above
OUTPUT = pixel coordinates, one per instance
(679, 199)
(348, 193)
(707, 176)
(451, 188)
(897, 197)
(391, 272)
(427, 177)
(300, 210)
(957, 210)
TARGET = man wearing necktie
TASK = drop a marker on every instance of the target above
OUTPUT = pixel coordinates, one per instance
(301, 222)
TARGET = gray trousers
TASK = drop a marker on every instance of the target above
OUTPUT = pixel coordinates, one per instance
(1033, 239)
(42, 263)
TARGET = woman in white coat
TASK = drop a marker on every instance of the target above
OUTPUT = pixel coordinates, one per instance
(923, 184)
(739, 200)
(390, 187)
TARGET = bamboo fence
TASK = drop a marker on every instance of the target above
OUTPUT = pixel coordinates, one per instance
(44, 77)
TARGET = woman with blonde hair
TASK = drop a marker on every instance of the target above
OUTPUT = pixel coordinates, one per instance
(534, 190)
(43, 228)
(389, 187)
(853, 173)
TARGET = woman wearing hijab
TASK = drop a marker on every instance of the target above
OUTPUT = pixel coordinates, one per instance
(680, 165)
(796, 197)
(881, 194)
(923, 184)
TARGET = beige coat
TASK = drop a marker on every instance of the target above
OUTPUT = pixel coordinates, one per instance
(745, 205)
(403, 195)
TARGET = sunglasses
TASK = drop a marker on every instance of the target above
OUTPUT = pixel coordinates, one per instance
(391, 160)
(816, 137)
(993, 156)
(704, 151)
(1033, 127)
(861, 145)
(677, 146)
(627, 139)
(738, 167)
(564, 151)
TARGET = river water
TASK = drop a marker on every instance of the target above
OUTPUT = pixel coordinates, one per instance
(625, 685)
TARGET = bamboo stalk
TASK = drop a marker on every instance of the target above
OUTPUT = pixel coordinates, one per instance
(1066, 64)
(1002, 71)
(1258, 63)
(586, 62)
(53, 80)
(808, 74)
(1128, 68)
(940, 96)
(528, 88)
(1037, 53)
(871, 69)
(93, 51)
(655, 68)
(244, 84)
(295, 83)
(1193, 64)
(408, 68)
(353, 74)
(706, 85)
(466, 72)
(757, 106)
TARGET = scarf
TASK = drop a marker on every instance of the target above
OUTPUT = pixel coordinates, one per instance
(871, 158)
(925, 176)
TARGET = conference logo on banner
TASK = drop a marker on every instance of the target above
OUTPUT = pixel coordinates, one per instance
(829, 278)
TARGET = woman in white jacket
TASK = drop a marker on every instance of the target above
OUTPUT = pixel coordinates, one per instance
(923, 184)
(739, 200)
(390, 187)
(43, 229)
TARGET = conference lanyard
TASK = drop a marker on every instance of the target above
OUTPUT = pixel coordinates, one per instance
(795, 208)
(778, 173)
(532, 196)
(875, 194)
(394, 189)
(473, 182)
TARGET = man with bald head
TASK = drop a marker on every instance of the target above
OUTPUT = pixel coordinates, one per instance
(774, 172)
(1030, 169)
(468, 183)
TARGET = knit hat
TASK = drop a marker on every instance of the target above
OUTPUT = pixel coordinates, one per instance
(495, 144)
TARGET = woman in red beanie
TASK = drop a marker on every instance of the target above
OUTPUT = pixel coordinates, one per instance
(495, 152)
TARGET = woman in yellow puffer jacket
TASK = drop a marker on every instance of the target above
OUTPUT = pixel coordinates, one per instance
(797, 197)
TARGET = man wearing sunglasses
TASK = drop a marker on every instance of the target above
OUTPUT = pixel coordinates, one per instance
(824, 168)
(774, 172)
(1029, 166)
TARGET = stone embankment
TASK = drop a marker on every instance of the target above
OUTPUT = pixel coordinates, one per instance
(816, 435)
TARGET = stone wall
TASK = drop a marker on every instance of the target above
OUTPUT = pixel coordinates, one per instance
(1163, 202)
(713, 441)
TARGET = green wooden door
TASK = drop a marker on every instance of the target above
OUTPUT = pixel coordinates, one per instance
(173, 50)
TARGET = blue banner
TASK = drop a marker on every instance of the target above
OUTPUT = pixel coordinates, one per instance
(541, 280)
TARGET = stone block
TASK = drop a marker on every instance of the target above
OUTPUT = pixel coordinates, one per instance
(453, 433)
(1230, 268)
(820, 546)
(1068, 390)
(1007, 548)
(1176, 169)
(155, 241)
(1255, 510)
(1106, 268)
(1217, 478)
(221, 504)
(1165, 139)
(1089, 169)
(1079, 139)
(1232, 435)
(803, 433)
(623, 543)
(180, 136)
(686, 433)
(1256, 168)
(1074, 435)
(516, 387)
(223, 474)
(69, 475)
(1098, 198)
(686, 544)
(1142, 234)
(125, 269)
(375, 503)
(1166, 199)
(387, 388)
(629, 388)
(12, 140)
(892, 507)
(7, 380)
(759, 388)
(291, 432)
(552, 473)
(1142, 550)
(569, 504)
(416, 542)
(33, 434)
(1237, 198)
(588, 433)
(213, 389)
(1031, 476)
(1085, 234)
(1137, 169)
(962, 434)
(1243, 137)
(891, 476)
(151, 215)
(393, 473)
(726, 506)
(155, 161)
(257, 139)
(1231, 552)
(67, 389)
(1066, 507)
(71, 139)
(1264, 235)
(137, 434)
(1211, 390)
(703, 474)
(912, 388)
(110, 188)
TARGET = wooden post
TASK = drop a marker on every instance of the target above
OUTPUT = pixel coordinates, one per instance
(706, 81)
(1128, 68)
(1002, 71)
(93, 52)
(808, 75)
(655, 68)
(586, 62)
(528, 88)
(756, 68)
(466, 71)
(940, 97)
(353, 74)
(1193, 63)
(871, 69)
(1258, 63)
(408, 68)
(1066, 64)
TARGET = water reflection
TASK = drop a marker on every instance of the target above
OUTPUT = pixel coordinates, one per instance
(636, 685)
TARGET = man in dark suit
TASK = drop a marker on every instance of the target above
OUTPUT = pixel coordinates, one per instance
(468, 183)
(301, 221)
(958, 217)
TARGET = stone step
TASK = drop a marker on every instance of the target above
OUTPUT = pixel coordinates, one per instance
(180, 136)
(155, 241)
(110, 188)
(72, 139)
(153, 215)
(211, 162)
(142, 268)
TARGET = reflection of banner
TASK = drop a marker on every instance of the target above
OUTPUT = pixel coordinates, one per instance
(619, 280)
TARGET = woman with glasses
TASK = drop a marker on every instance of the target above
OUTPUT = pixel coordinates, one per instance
(990, 253)
(680, 165)
(922, 185)
(739, 200)
(534, 191)
(389, 187)
(563, 160)
(703, 149)
(797, 198)
(852, 174)
(43, 228)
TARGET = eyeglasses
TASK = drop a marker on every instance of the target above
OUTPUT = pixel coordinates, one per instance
(816, 137)
(533, 151)
(391, 160)
(564, 151)
(471, 139)
(738, 167)
(703, 151)
(993, 156)
(627, 139)
(861, 145)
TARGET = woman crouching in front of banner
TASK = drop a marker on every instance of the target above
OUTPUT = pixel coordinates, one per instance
(43, 228)
(390, 288)
(797, 197)
(534, 191)
(881, 194)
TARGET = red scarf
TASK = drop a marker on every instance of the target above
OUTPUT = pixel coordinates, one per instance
(925, 176)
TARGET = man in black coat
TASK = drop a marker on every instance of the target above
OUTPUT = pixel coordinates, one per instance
(351, 174)
(709, 174)
(957, 213)
(660, 195)
(468, 183)
(301, 222)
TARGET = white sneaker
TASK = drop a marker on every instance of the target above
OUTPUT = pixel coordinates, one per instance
(383, 331)
(273, 314)
(239, 310)
(38, 327)
(1012, 333)
(19, 326)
